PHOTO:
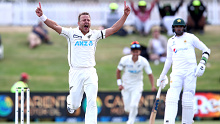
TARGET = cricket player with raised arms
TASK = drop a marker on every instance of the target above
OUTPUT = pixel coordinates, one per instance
(82, 42)
(181, 55)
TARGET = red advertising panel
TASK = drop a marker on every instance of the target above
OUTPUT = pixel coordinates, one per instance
(207, 104)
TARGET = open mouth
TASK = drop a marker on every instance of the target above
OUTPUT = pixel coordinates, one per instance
(86, 26)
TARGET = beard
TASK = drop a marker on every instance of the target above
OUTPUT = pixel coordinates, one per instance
(179, 32)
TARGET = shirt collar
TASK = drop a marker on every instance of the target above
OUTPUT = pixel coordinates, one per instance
(137, 60)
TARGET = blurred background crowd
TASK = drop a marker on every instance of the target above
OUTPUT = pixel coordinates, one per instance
(21, 12)
(148, 18)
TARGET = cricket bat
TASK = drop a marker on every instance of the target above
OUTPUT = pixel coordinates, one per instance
(155, 107)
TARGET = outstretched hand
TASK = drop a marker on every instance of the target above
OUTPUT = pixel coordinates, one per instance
(39, 11)
(127, 9)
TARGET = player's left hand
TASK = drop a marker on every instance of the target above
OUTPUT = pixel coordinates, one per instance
(127, 9)
(200, 70)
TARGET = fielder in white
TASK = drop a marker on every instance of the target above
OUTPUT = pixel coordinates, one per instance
(181, 54)
(131, 85)
(82, 42)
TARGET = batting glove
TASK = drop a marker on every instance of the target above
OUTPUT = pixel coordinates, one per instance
(162, 82)
(200, 70)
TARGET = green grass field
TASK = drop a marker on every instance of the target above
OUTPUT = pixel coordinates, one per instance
(48, 68)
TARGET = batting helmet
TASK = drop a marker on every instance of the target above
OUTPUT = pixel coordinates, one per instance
(179, 22)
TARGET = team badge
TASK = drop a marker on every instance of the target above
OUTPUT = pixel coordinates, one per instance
(89, 36)
(178, 20)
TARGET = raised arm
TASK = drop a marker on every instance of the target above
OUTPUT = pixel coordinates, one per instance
(120, 22)
(50, 23)
(152, 5)
(180, 4)
(132, 7)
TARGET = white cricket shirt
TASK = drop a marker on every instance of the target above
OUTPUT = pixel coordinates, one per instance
(81, 48)
(133, 72)
(181, 52)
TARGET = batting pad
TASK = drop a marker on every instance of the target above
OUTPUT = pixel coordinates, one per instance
(172, 98)
(187, 108)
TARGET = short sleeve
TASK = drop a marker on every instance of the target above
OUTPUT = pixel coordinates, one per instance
(147, 67)
(101, 34)
(65, 32)
(121, 64)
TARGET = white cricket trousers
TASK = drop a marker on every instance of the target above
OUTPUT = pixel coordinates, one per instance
(143, 25)
(180, 79)
(84, 80)
(131, 98)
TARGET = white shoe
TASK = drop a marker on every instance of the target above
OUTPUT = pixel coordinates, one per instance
(69, 107)
(128, 122)
(71, 111)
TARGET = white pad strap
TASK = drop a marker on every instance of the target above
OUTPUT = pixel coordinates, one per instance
(187, 99)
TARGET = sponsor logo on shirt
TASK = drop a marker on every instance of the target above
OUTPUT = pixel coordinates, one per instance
(83, 43)
(179, 49)
(89, 36)
(76, 36)
(134, 71)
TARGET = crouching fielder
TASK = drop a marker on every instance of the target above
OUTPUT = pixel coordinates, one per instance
(181, 54)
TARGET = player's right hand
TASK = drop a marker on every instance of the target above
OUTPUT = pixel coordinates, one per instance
(39, 11)
(120, 87)
(162, 82)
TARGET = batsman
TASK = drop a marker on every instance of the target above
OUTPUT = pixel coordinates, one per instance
(181, 55)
